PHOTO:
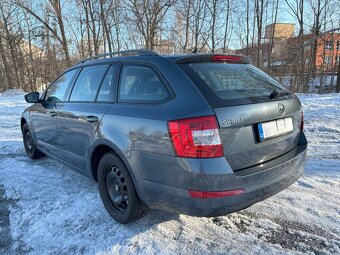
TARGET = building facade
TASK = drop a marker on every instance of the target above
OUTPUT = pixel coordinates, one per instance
(280, 49)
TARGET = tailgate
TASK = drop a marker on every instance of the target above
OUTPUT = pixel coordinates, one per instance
(240, 134)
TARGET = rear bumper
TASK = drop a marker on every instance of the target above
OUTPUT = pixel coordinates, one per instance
(166, 188)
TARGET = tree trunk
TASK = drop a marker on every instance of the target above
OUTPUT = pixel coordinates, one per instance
(6, 66)
(94, 33)
(187, 20)
(337, 88)
(272, 39)
(226, 27)
(105, 26)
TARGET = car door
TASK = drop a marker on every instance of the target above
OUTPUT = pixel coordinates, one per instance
(44, 114)
(79, 117)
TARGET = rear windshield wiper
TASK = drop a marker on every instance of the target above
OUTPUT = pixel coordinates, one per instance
(276, 94)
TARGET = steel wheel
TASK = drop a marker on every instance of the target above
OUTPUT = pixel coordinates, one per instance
(31, 150)
(116, 188)
(29, 141)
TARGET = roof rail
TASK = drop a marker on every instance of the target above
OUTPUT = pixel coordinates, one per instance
(121, 53)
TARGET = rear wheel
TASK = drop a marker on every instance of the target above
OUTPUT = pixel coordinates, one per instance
(117, 190)
(30, 148)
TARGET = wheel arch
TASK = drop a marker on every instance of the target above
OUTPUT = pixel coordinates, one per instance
(99, 150)
(97, 153)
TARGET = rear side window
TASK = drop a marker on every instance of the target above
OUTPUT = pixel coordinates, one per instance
(141, 84)
(240, 83)
(56, 92)
(87, 84)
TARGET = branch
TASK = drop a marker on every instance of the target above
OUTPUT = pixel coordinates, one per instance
(55, 34)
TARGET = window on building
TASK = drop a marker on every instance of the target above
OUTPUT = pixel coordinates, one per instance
(338, 45)
(337, 59)
(328, 60)
(328, 45)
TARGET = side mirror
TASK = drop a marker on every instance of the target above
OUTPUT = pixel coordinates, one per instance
(32, 97)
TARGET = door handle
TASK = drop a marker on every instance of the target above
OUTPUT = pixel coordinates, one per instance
(52, 113)
(91, 119)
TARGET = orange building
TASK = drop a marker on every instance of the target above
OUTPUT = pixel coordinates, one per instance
(328, 51)
(279, 30)
(286, 47)
(327, 54)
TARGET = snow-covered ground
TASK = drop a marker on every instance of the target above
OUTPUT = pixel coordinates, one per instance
(53, 210)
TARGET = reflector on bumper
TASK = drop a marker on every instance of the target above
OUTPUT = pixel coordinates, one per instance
(215, 194)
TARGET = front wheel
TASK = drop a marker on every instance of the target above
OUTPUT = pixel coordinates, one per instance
(117, 190)
(30, 148)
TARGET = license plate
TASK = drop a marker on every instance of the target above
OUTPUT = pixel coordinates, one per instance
(274, 128)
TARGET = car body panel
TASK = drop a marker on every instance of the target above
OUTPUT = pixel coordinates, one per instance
(75, 132)
(43, 121)
(238, 131)
(174, 196)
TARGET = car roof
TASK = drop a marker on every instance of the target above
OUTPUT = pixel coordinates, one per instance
(150, 56)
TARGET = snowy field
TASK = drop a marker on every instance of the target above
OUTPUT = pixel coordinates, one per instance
(46, 208)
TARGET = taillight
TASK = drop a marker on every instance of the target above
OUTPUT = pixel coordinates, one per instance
(302, 122)
(196, 137)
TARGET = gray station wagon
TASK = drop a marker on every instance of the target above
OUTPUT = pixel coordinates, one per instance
(199, 134)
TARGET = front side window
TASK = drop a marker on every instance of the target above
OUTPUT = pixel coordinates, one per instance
(86, 87)
(57, 90)
(141, 84)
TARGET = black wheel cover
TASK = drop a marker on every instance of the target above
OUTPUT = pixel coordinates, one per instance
(116, 189)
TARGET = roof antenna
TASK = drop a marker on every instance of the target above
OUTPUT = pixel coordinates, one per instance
(195, 50)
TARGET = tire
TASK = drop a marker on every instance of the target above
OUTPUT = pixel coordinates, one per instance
(30, 148)
(117, 190)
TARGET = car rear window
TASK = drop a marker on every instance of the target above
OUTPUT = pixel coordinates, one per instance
(232, 83)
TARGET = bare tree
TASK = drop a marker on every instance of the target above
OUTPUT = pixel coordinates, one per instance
(148, 16)
(11, 37)
(271, 44)
(259, 8)
(57, 11)
(226, 27)
(213, 11)
(337, 88)
(103, 18)
(38, 39)
(297, 11)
